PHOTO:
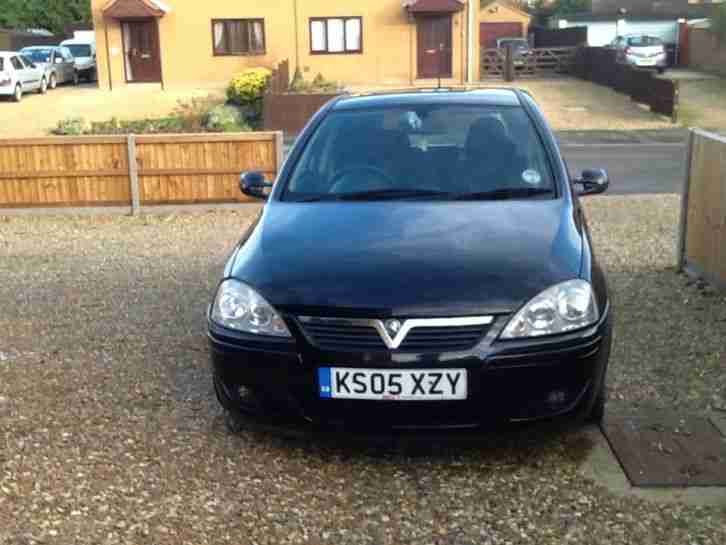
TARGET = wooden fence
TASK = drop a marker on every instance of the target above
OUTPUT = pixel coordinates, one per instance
(598, 64)
(132, 171)
(540, 62)
(284, 110)
(702, 240)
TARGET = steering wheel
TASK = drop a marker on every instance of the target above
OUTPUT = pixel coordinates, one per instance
(338, 184)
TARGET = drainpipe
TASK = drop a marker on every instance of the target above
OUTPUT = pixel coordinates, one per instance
(108, 55)
(297, 41)
(471, 47)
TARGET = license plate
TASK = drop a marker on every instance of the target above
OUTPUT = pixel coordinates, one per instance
(392, 385)
(646, 62)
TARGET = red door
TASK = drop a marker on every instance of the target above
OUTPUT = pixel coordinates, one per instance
(141, 51)
(434, 46)
(489, 33)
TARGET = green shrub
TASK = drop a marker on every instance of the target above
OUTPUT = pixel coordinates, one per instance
(298, 83)
(72, 126)
(225, 118)
(192, 113)
(321, 85)
(249, 86)
(318, 85)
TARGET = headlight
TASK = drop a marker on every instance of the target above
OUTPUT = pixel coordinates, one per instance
(239, 307)
(559, 309)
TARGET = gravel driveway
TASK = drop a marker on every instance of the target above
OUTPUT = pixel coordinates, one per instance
(109, 432)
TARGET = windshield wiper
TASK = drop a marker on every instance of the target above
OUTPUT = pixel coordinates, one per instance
(503, 194)
(383, 194)
(376, 194)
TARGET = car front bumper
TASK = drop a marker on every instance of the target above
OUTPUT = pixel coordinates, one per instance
(509, 381)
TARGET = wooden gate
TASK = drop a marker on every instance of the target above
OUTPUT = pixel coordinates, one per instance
(540, 62)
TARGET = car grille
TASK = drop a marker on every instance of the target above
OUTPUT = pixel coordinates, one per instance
(334, 334)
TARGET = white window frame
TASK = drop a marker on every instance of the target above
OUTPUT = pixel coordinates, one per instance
(322, 46)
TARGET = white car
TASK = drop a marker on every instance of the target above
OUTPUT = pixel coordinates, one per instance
(84, 52)
(641, 51)
(19, 75)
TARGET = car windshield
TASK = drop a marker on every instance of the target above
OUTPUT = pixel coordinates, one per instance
(644, 41)
(37, 55)
(79, 50)
(439, 152)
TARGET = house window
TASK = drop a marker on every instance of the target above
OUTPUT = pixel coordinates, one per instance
(238, 36)
(336, 35)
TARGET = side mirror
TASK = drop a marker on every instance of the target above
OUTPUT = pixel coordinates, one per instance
(59, 60)
(253, 184)
(593, 181)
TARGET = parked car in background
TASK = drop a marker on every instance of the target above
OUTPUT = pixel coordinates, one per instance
(57, 63)
(520, 48)
(19, 75)
(641, 51)
(423, 262)
(84, 53)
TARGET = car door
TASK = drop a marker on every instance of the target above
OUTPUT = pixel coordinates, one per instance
(58, 67)
(69, 64)
(23, 75)
(35, 73)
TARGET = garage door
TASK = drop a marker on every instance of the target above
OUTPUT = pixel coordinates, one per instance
(490, 32)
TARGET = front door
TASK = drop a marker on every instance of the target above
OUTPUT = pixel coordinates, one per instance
(141, 51)
(434, 46)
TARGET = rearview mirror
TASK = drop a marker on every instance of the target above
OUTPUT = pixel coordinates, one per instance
(253, 184)
(58, 60)
(593, 181)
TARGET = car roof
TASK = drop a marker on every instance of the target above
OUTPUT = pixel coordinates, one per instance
(77, 41)
(412, 97)
(32, 47)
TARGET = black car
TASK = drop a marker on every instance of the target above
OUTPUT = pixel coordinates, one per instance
(421, 263)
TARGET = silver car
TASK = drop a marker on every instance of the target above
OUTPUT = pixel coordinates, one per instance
(641, 51)
(57, 63)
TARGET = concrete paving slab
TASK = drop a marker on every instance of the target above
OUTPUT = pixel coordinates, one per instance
(602, 467)
(666, 448)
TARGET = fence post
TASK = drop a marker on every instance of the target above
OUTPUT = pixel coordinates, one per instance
(676, 101)
(133, 175)
(508, 64)
(685, 191)
(279, 151)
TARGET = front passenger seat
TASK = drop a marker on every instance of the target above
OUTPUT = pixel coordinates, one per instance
(491, 158)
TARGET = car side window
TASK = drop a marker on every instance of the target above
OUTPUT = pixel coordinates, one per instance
(67, 56)
(17, 63)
